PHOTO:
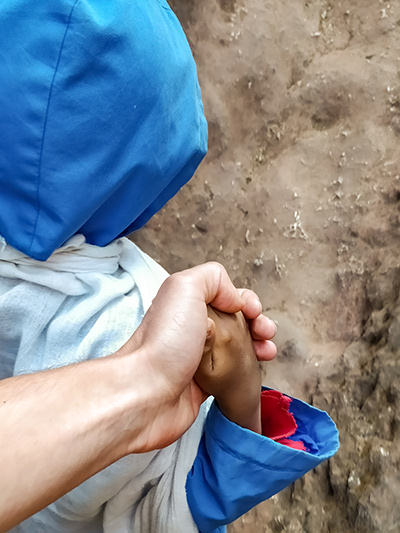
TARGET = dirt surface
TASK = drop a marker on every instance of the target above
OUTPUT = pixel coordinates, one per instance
(299, 198)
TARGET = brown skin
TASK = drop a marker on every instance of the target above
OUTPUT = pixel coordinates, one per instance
(229, 369)
(61, 426)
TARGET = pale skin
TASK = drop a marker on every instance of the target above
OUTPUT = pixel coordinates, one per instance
(59, 427)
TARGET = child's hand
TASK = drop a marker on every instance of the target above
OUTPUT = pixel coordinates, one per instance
(229, 369)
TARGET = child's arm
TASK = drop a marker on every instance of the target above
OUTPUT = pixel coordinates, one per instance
(235, 469)
(229, 369)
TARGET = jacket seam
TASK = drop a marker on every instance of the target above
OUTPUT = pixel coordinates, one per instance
(46, 116)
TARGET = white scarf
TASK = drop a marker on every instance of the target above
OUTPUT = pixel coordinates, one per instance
(85, 302)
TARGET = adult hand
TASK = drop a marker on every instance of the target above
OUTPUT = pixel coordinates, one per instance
(170, 343)
(141, 398)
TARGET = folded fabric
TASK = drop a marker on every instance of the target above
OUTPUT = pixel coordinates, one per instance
(85, 302)
(235, 469)
(278, 423)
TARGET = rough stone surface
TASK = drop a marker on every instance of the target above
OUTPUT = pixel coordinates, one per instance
(299, 198)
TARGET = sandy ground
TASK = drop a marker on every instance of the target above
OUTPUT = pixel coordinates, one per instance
(299, 198)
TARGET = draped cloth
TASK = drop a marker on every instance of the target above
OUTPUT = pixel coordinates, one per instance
(85, 302)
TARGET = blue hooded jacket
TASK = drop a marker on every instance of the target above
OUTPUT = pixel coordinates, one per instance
(101, 118)
(101, 122)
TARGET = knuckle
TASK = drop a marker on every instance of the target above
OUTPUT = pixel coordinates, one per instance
(217, 267)
(170, 281)
(226, 336)
(175, 283)
(215, 264)
(178, 278)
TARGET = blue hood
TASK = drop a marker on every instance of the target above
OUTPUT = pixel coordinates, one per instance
(101, 119)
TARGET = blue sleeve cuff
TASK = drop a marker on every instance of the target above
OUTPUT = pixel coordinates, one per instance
(235, 469)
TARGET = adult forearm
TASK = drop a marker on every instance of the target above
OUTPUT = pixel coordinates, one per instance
(59, 427)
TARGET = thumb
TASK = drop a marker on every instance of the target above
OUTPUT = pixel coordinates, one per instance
(210, 337)
(213, 286)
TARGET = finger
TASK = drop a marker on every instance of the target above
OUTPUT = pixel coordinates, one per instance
(251, 304)
(210, 330)
(262, 328)
(265, 350)
(211, 283)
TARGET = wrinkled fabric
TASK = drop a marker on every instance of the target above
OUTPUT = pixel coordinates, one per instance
(101, 118)
(101, 122)
(235, 469)
(86, 302)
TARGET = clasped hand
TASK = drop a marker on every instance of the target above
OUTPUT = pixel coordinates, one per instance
(169, 345)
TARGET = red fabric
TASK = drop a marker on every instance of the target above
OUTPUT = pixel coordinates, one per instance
(277, 422)
(296, 444)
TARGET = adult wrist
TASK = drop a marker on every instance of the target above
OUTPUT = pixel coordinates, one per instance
(137, 398)
(98, 412)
